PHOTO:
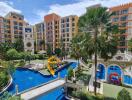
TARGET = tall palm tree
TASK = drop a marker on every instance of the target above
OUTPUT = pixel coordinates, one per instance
(76, 50)
(96, 22)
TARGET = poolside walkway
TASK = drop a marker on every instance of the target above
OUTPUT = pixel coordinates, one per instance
(47, 87)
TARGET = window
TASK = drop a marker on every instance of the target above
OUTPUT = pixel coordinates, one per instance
(20, 28)
(73, 24)
(20, 32)
(73, 19)
(15, 23)
(55, 27)
(122, 43)
(122, 31)
(63, 35)
(63, 30)
(62, 25)
(123, 24)
(73, 29)
(55, 22)
(125, 11)
(67, 29)
(122, 38)
(62, 21)
(28, 30)
(123, 18)
(67, 39)
(15, 27)
(115, 19)
(20, 24)
(67, 19)
(67, 25)
(116, 13)
(56, 31)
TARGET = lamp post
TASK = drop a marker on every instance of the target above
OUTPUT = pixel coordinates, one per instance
(16, 87)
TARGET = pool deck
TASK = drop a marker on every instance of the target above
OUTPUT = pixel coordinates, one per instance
(42, 89)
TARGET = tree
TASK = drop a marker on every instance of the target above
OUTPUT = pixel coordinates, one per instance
(42, 43)
(124, 95)
(12, 54)
(62, 47)
(49, 50)
(4, 47)
(27, 56)
(9, 66)
(76, 49)
(19, 45)
(57, 51)
(98, 37)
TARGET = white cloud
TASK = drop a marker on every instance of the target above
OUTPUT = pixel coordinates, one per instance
(6, 7)
(78, 8)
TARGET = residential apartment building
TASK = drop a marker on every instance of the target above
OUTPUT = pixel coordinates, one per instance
(11, 27)
(68, 29)
(51, 24)
(1, 29)
(123, 18)
(39, 37)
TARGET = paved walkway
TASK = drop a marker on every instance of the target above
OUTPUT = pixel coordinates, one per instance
(42, 89)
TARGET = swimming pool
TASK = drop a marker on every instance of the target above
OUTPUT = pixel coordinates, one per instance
(26, 78)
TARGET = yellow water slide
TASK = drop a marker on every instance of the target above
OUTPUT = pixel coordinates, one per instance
(52, 60)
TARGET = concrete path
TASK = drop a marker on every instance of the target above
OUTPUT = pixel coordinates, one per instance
(42, 89)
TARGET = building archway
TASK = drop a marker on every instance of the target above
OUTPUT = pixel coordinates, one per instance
(114, 74)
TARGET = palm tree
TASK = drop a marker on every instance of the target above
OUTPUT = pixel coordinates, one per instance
(96, 24)
(76, 50)
(62, 47)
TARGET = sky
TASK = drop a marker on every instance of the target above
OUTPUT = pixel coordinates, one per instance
(35, 10)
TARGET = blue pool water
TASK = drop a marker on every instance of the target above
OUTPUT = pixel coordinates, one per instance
(57, 94)
(26, 78)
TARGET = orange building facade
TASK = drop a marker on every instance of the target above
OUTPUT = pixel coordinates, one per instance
(11, 27)
(123, 18)
(51, 24)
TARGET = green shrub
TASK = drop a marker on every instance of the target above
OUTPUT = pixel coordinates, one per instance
(70, 73)
(3, 79)
(124, 95)
(22, 63)
(12, 54)
(8, 96)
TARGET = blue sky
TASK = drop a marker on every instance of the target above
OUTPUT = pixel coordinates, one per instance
(34, 10)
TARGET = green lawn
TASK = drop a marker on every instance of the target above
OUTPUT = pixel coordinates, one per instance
(112, 90)
(38, 61)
